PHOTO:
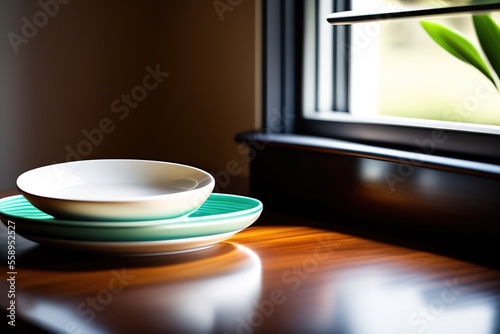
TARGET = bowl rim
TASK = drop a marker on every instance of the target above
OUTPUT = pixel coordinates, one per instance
(208, 187)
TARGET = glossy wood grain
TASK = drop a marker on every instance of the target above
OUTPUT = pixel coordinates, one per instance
(279, 276)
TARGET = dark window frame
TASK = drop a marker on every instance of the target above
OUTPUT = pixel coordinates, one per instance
(282, 98)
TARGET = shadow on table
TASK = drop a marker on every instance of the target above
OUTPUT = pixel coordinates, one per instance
(55, 259)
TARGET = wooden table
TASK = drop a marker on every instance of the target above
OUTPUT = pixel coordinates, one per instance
(282, 275)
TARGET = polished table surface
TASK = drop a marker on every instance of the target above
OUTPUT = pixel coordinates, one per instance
(282, 275)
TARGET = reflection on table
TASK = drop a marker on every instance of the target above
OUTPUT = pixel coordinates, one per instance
(283, 278)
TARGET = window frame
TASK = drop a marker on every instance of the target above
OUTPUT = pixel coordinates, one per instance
(283, 101)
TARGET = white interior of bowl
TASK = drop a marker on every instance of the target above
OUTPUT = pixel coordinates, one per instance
(112, 180)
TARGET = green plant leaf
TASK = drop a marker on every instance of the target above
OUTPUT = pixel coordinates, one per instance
(458, 45)
(488, 34)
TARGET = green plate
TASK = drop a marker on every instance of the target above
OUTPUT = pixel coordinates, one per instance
(221, 213)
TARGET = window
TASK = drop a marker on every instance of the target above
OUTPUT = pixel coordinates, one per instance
(394, 63)
(385, 83)
(400, 63)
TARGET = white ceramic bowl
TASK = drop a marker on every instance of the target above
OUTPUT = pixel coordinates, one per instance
(116, 189)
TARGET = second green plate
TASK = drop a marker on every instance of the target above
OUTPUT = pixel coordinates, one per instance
(221, 213)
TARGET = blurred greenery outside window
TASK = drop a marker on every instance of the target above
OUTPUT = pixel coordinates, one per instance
(398, 71)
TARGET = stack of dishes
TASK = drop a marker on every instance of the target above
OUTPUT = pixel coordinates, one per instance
(125, 207)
